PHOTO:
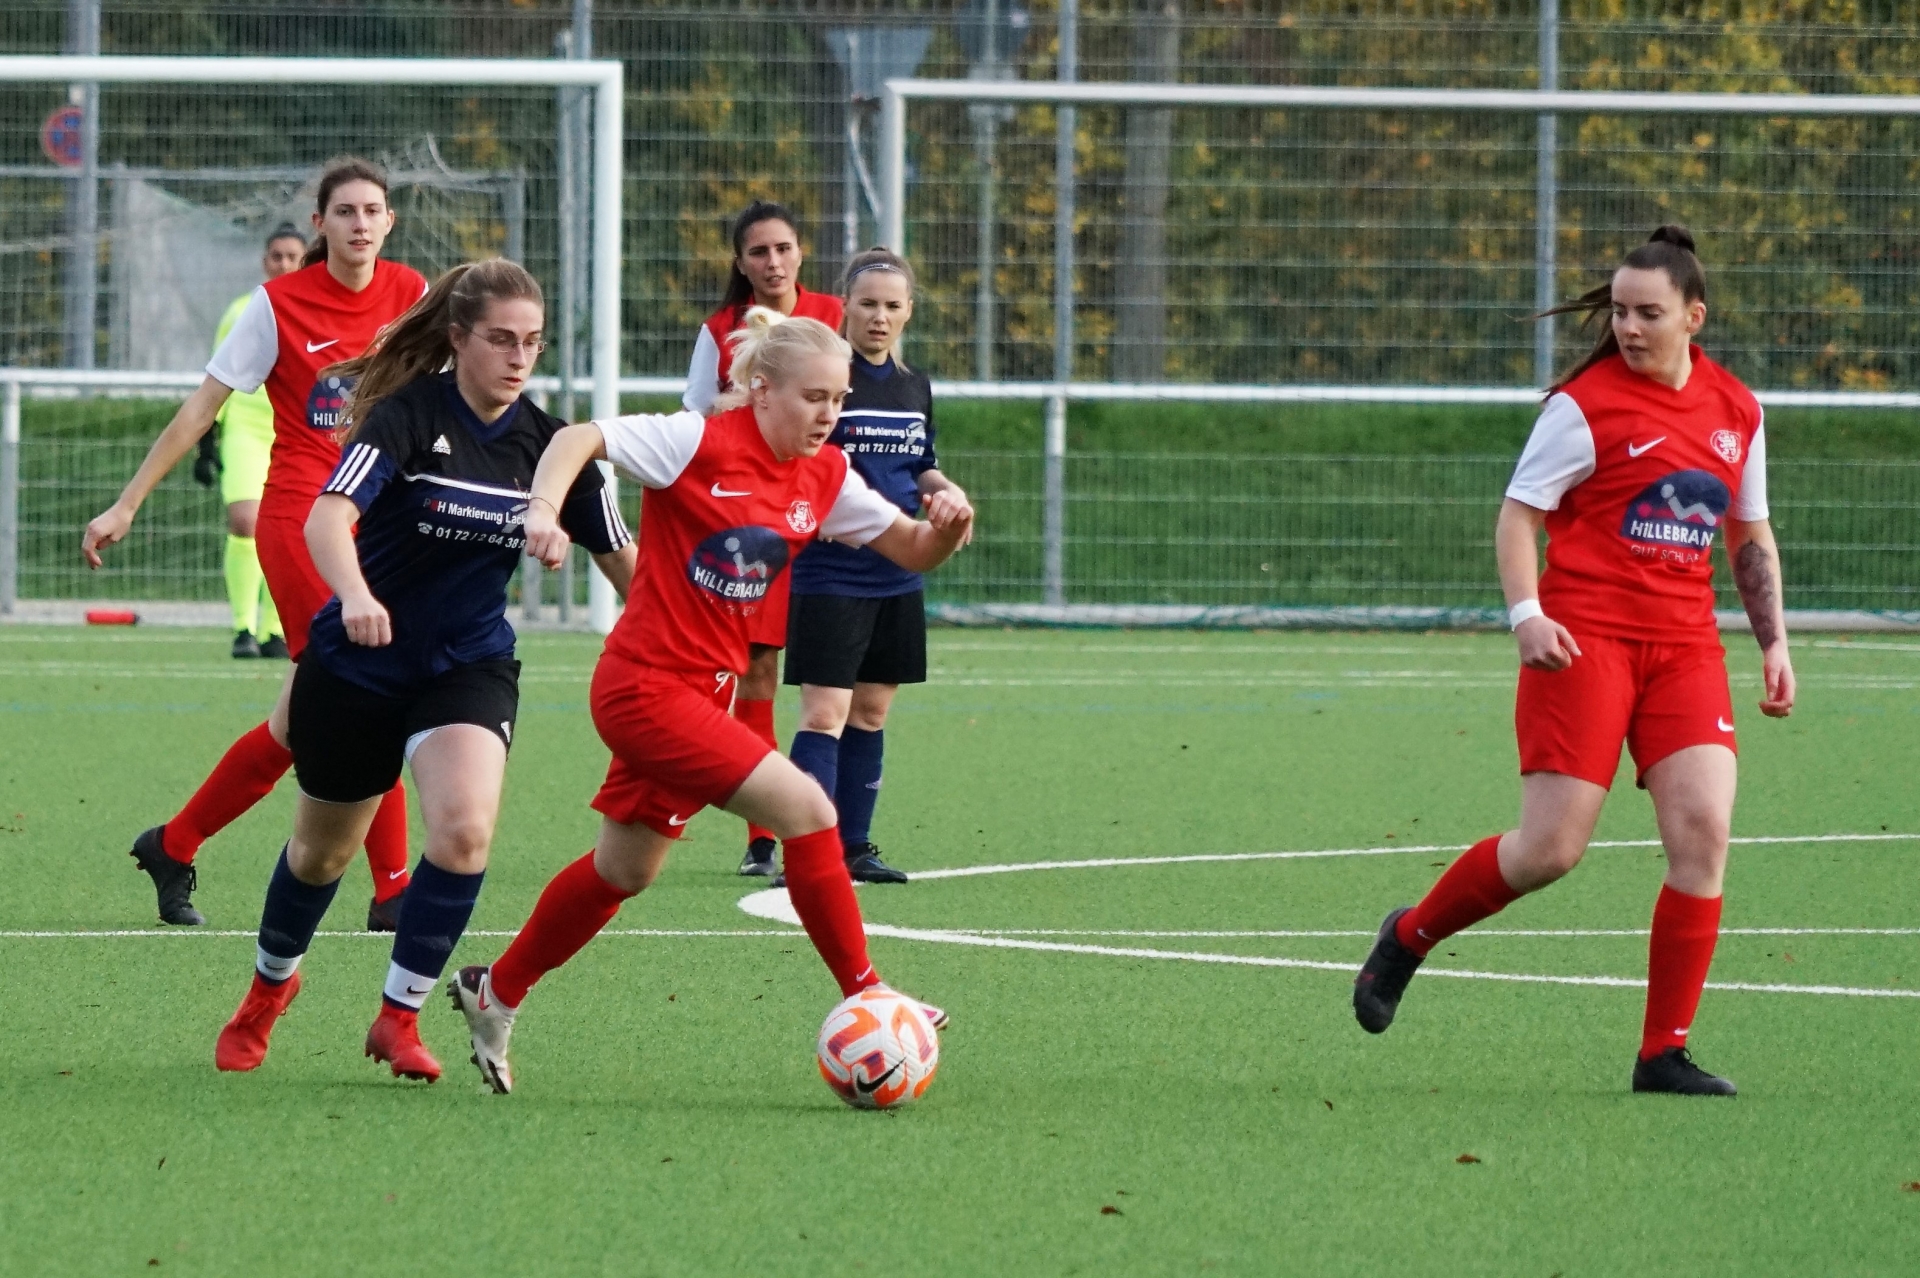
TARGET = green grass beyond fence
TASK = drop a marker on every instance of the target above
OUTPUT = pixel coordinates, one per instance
(1166, 503)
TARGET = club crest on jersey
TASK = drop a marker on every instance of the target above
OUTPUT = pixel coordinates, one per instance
(738, 564)
(326, 401)
(1727, 444)
(1678, 512)
(800, 517)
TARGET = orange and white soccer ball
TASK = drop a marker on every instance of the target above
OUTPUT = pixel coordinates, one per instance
(878, 1050)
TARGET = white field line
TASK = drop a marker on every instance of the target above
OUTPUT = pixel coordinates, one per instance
(203, 931)
(773, 905)
(969, 871)
(1474, 933)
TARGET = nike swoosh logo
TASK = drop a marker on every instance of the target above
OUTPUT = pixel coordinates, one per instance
(396, 874)
(868, 1089)
(678, 820)
(312, 347)
(1723, 725)
(1635, 452)
(718, 491)
(427, 990)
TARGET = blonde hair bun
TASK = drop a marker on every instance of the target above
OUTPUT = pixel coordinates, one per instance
(770, 346)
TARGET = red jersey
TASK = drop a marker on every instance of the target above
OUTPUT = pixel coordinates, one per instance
(713, 354)
(721, 521)
(291, 328)
(1636, 479)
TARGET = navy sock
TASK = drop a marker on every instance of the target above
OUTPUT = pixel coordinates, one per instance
(817, 755)
(859, 789)
(288, 921)
(433, 914)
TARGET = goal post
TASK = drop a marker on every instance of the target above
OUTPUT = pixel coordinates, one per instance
(604, 79)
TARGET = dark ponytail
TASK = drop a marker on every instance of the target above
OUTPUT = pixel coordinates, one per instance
(338, 173)
(1669, 249)
(739, 287)
(417, 344)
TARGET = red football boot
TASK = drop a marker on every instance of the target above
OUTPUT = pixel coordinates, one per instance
(243, 1043)
(395, 1039)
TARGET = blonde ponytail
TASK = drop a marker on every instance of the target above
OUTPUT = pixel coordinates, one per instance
(770, 346)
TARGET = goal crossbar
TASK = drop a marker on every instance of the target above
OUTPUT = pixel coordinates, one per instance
(898, 92)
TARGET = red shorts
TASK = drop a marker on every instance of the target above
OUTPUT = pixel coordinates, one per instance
(676, 746)
(298, 589)
(1659, 698)
(769, 625)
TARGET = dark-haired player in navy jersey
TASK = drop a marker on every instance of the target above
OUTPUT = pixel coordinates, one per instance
(411, 662)
(857, 621)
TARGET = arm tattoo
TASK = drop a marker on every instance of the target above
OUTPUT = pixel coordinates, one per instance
(1758, 580)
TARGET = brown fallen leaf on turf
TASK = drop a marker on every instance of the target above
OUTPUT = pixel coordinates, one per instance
(1111, 1210)
(1466, 1158)
(1912, 1187)
(1327, 1103)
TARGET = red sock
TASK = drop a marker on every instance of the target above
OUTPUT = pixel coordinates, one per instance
(570, 912)
(387, 844)
(246, 773)
(1679, 953)
(757, 715)
(822, 895)
(1472, 889)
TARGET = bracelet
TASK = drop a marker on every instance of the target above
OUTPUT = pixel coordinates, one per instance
(1525, 610)
(550, 506)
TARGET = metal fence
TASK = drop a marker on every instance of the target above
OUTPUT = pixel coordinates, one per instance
(1215, 529)
(1253, 246)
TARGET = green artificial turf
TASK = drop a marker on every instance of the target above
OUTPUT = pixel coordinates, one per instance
(669, 1119)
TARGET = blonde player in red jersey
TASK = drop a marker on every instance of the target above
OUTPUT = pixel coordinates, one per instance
(766, 273)
(292, 329)
(730, 501)
(1641, 455)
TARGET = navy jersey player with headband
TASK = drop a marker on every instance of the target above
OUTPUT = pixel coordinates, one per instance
(857, 625)
(411, 663)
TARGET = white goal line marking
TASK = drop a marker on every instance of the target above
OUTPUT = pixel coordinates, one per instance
(773, 905)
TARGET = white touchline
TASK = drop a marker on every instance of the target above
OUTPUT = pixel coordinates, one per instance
(773, 905)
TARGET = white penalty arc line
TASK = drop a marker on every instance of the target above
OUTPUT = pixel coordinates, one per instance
(250, 934)
(774, 906)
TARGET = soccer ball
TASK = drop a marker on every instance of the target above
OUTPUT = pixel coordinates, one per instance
(878, 1050)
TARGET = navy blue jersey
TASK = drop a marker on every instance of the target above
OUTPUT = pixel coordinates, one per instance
(442, 497)
(886, 430)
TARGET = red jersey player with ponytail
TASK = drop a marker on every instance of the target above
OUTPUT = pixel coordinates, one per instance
(1640, 456)
(729, 502)
(765, 273)
(292, 329)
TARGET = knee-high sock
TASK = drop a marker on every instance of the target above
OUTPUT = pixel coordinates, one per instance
(432, 918)
(818, 755)
(245, 774)
(288, 921)
(822, 896)
(387, 844)
(757, 715)
(1472, 889)
(570, 912)
(1685, 930)
(243, 583)
(859, 788)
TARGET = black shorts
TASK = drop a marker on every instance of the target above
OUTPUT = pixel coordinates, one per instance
(349, 744)
(836, 641)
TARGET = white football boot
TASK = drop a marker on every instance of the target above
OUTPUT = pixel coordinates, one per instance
(936, 1015)
(489, 1020)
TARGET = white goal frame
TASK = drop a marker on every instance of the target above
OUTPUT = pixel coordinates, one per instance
(603, 78)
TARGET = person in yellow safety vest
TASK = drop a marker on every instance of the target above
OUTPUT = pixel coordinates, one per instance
(238, 463)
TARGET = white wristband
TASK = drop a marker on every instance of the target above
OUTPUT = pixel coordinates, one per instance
(1525, 610)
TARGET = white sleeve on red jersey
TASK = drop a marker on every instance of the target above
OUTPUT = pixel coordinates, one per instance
(251, 349)
(1750, 503)
(859, 514)
(1558, 455)
(703, 374)
(655, 448)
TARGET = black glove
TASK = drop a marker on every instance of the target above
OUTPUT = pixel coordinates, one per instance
(206, 467)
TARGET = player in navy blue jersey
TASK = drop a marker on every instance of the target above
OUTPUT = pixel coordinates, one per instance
(857, 624)
(411, 663)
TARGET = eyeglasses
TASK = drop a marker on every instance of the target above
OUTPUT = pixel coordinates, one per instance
(507, 343)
